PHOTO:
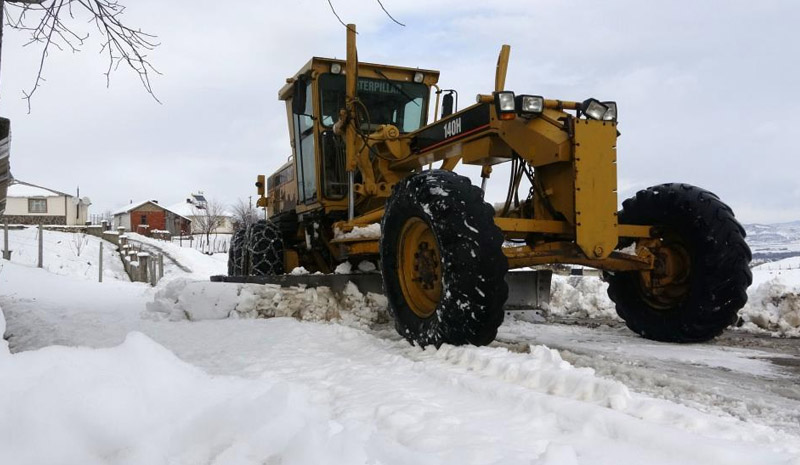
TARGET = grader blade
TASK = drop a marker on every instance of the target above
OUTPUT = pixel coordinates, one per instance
(527, 289)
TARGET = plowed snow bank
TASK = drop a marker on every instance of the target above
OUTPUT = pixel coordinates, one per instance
(774, 307)
(199, 300)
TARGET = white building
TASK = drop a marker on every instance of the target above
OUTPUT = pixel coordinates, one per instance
(28, 203)
(200, 212)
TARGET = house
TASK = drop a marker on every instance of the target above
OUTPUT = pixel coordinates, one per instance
(202, 213)
(147, 216)
(28, 203)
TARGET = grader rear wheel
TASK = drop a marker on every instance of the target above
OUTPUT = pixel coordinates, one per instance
(701, 271)
(264, 248)
(442, 261)
(237, 253)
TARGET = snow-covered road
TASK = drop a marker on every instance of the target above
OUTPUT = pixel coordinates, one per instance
(242, 391)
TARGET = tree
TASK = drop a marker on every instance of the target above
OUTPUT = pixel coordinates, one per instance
(207, 217)
(244, 214)
(61, 24)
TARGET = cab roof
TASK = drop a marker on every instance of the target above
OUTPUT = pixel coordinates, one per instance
(321, 65)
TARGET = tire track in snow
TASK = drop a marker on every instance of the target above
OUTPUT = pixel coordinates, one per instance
(753, 388)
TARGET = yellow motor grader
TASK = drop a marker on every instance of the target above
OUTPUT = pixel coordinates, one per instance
(361, 184)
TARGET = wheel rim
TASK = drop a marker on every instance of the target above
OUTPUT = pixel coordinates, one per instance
(420, 267)
(667, 284)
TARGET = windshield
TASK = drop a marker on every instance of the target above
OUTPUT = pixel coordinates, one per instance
(399, 103)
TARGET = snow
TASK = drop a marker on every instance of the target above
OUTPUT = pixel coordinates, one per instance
(196, 265)
(132, 206)
(3, 342)
(194, 372)
(25, 190)
(773, 304)
(68, 254)
(343, 268)
(298, 271)
(138, 403)
(194, 300)
(580, 297)
(370, 231)
(366, 266)
(774, 307)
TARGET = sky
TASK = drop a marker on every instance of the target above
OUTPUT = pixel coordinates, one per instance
(707, 91)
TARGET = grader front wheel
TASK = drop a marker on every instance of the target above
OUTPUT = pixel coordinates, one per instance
(419, 267)
(442, 261)
(701, 273)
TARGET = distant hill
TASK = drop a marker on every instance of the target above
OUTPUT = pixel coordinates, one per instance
(771, 242)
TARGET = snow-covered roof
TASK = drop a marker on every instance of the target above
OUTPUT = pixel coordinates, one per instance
(19, 188)
(134, 205)
(183, 208)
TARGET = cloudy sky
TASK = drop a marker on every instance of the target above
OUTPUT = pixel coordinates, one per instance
(708, 91)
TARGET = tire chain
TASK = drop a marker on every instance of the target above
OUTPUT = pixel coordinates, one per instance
(236, 258)
(264, 246)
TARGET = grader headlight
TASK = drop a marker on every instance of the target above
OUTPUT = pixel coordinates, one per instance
(418, 77)
(506, 106)
(530, 105)
(611, 113)
(593, 109)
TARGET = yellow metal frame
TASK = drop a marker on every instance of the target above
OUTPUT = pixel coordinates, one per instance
(574, 161)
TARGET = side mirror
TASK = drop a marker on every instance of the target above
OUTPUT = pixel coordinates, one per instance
(447, 105)
(299, 97)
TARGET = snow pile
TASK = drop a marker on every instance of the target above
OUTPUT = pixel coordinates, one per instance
(543, 371)
(370, 231)
(580, 297)
(343, 268)
(365, 266)
(137, 403)
(774, 307)
(196, 300)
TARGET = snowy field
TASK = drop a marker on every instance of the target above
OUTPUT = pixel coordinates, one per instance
(215, 243)
(185, 373)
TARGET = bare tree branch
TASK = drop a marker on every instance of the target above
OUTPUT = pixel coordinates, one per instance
(389, 14)
(337, 15)
(44, 21)
(243, 214)
(330, 3)
(207, 218)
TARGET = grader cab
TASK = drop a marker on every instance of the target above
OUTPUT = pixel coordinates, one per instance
(363, 155)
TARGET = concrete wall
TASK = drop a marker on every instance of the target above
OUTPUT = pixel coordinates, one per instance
(122, 221)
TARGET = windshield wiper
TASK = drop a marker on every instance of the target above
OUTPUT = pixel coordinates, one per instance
(398, 88)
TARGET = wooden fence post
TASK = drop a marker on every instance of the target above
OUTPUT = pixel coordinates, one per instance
(41, 247)
(6, 252)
